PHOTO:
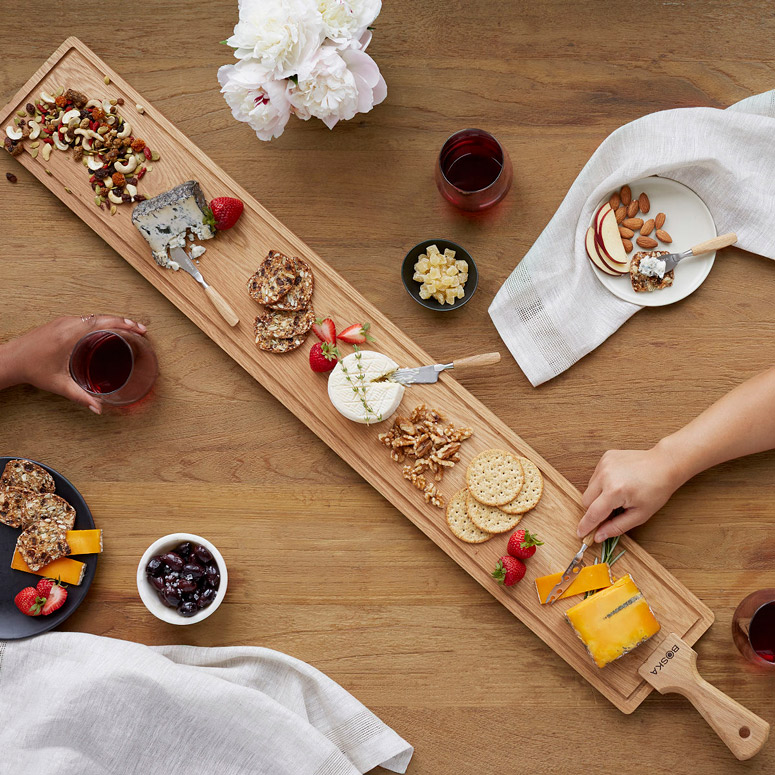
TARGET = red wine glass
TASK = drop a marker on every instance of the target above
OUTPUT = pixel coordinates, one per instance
(473, 170)
(753, 628)
(118, 367)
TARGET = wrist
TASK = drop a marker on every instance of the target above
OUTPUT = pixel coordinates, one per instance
(677, 459)
(11, 372)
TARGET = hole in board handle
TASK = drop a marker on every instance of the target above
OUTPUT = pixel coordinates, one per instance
(744, 732)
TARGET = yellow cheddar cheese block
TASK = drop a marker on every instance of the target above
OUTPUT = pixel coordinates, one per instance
(590, 578)
(66, 570)
(84, 541)
(613, 621)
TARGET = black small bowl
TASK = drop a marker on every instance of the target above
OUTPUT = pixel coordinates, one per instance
(413, 287)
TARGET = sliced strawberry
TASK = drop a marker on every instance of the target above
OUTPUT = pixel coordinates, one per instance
(29, 601)
(325, 330)
(56, 598)
(358, 333)
(323, 357)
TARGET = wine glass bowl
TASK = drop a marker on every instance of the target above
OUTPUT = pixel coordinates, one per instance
(473, 170)
(753, 628)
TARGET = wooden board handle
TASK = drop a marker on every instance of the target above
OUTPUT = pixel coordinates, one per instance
(474, 361)
(224, 310)
(722, 241)
(672, 667)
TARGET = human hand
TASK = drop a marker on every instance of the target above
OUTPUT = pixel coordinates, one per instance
(636, 483)
(41, 357)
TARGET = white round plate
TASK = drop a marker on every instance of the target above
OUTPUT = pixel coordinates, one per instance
(689, 222)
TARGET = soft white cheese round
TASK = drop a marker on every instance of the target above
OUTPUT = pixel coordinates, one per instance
(355, 393)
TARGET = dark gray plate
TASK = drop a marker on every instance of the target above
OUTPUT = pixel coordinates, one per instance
(13, 623)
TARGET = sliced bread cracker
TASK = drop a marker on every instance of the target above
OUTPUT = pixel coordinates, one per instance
(300, 294)
(495, 477)
(278, 324)
(46, 505)
(43, 542)
(12, 510)
(28, 476)
(460, 523)
(273, 279)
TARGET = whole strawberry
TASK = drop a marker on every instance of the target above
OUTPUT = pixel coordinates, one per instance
(226, 211)
(522, 544)
(29, 602)
(323, 356)
(54, 593)
(509, 570)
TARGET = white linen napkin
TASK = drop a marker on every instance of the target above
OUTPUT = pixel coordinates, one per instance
(552, 310)
(77, 703)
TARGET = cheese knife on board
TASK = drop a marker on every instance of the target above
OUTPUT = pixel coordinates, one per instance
(426, 375)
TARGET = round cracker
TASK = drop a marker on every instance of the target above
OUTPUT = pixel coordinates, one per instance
(495, 477)
(490, 518)
(531, 491)
(459, 522)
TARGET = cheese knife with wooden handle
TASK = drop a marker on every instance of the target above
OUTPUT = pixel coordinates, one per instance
(425, 375)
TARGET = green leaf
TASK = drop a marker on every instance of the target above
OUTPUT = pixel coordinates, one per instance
(224, 42)
(294, 79)
(209, 218)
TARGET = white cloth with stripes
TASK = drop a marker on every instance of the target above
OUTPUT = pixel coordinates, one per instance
(77, 703)
(552, 310)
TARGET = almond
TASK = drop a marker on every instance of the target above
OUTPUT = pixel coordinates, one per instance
(625, 232)
(632, 209)
(614, 201)
(621, 213)
(627, 245)
(644, 203)
(646, 242)
(632, 223)
(663, 236)
(647, 227)
(626, 195)
(659, 221)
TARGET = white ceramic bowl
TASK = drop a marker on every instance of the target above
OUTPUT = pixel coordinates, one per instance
(150, 597)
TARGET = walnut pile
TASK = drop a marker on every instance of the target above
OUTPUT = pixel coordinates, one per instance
(429, 445)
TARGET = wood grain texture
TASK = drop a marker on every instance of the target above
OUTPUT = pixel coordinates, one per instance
(231, 259)
(387, 614)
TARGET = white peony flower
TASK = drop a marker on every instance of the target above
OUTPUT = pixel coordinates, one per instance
(281, 35)
(338, 85)
(263, 104)
(345, 21)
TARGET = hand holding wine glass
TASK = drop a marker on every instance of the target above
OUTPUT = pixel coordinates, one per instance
(41, 357)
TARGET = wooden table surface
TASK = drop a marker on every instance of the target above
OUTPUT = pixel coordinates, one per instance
(321, 566)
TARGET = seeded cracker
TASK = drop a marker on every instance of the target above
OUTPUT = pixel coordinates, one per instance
(531, 491)
(276, 324)
(42, 543)
(51, 507)
(12, 511)
(459, 522)
(279, 346)
(300, 294)
(490, 518)
(27, 475)
(274, 278)
(495, 477)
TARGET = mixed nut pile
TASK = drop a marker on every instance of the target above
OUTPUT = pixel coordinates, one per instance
(99, 137)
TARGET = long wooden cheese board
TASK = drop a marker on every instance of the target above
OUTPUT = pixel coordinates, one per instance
(231, 258)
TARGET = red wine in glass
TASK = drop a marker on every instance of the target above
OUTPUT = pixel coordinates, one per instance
(753, 628)
(473, 170)
(118, 367)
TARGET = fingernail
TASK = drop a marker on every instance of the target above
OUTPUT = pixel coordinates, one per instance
(600, 537)
(142, 327)
(95, 409)
(129, 322)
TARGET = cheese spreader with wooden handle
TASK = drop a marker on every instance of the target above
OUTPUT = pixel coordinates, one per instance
(223, 307)
(722, 241)
(672, 668)
(425, 375)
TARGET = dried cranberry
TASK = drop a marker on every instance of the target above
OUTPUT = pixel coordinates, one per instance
(11, 177)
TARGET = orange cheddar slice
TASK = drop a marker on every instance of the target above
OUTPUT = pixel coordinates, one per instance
(590, 578)
(66, 570)
(84, 541)
(614, 621)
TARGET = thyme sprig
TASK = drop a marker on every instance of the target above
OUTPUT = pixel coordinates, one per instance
(358, 384)
(607, 555)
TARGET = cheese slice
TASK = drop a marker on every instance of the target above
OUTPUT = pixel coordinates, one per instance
(167, 219)
(66, 570)
(84, 541)
(614, 621)
(358, 390)
(589, 578)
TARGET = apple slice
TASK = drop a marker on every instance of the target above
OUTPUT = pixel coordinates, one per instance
(594, 256)
(609, 241)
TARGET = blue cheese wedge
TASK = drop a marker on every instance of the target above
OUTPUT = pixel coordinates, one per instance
(359, 390)
(168, 219)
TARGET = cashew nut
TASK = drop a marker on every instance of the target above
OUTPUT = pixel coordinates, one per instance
(13, 132)
(115, 199)
(94, 163)
(126, 129)
(86, 144)
(93, 104)
(88, 133)
(34, 130)
(130, 189)
(70, 115)
(46, 97)
(59, 144)
(130, 166)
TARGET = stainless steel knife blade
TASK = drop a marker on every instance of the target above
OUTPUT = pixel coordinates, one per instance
(570, 573)
(184, 262)
(423, 375)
